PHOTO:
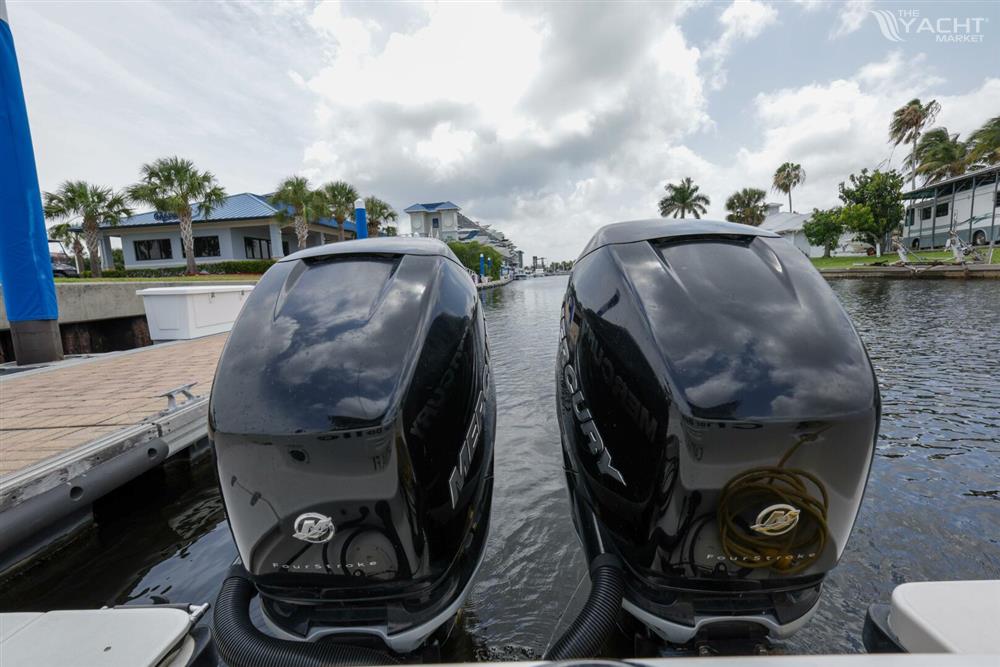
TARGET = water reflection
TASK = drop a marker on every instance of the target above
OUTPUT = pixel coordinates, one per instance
(930, 512)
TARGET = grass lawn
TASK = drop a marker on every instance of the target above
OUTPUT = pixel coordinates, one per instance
(244, 277)
(926, 255)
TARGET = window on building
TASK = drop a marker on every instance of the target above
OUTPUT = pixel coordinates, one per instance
(204, 246)
(151, 250)
(925, 213)
(435, 223)
(941, 210)
(257, 248)
(996, 204)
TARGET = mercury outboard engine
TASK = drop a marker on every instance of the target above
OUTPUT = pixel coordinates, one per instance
(353, 420)
(719, 415)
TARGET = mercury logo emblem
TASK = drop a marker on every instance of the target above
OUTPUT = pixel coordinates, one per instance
(314, 527)
(776, 520)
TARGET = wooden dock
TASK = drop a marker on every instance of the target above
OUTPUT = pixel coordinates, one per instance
(46, 412)
(76, 430)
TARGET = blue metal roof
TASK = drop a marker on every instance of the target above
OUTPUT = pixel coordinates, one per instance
(432, 207)
(244, 206)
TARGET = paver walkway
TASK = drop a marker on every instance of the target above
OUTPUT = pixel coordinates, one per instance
(47, 413)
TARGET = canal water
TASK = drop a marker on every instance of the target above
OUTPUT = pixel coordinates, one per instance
(931, 511)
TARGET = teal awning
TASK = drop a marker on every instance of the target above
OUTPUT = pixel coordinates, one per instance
(949, 185)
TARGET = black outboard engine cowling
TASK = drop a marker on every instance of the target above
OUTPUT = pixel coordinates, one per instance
(353, 420)
(719, 415)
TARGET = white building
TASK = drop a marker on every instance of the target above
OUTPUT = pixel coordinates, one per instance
(436, 220)
(243, 226)
(444, 220)
(470, 230)
(789, 227)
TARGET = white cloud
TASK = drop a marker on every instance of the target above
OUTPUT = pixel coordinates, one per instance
(547, 120)
(839, 127)
(518, 115)
(852, 14)
(353, 36)
(742, 21)
(446, 148)
(111, 87)
(476, 54)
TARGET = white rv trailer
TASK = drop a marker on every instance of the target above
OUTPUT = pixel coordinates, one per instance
(967, 203)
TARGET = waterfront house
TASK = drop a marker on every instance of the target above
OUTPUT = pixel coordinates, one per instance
(789, 227)
(471, 230)
(436, 220)
(444, 220)
(245, 226)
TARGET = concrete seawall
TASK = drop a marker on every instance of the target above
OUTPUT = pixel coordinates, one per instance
(97, 317)
(493, 283)
(85, 301)
(954, 271)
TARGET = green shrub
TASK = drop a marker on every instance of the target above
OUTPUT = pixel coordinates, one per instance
(237, 266)
(255, 266)
(468, 254)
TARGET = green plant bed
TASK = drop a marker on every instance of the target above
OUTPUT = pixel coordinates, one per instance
(240, 267)
(213, 278)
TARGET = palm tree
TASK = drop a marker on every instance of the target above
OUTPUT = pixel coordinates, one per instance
(984, 143)
(683, 198)
(174, 185)
(941, 155)
(379, 213)
(908, 121)
(94, 205)
(340, 197)
(787, 177)
(64, 233)
(747, 206)
(296, 202)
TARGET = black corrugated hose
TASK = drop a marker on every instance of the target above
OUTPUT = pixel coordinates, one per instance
(241, 644)
(596, 621)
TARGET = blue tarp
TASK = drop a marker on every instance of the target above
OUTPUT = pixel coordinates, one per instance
(25, 266)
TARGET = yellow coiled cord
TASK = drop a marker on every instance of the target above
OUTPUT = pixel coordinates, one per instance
(772, 485)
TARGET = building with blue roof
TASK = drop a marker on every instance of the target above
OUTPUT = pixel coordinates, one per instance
(244, 226)
(438, 220)
(444, 220)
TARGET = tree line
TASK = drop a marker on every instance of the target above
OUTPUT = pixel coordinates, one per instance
(468, 254)
(746, 206)
(871, 201)
(174, 185)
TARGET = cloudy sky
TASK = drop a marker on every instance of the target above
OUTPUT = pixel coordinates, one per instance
(547, 120)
